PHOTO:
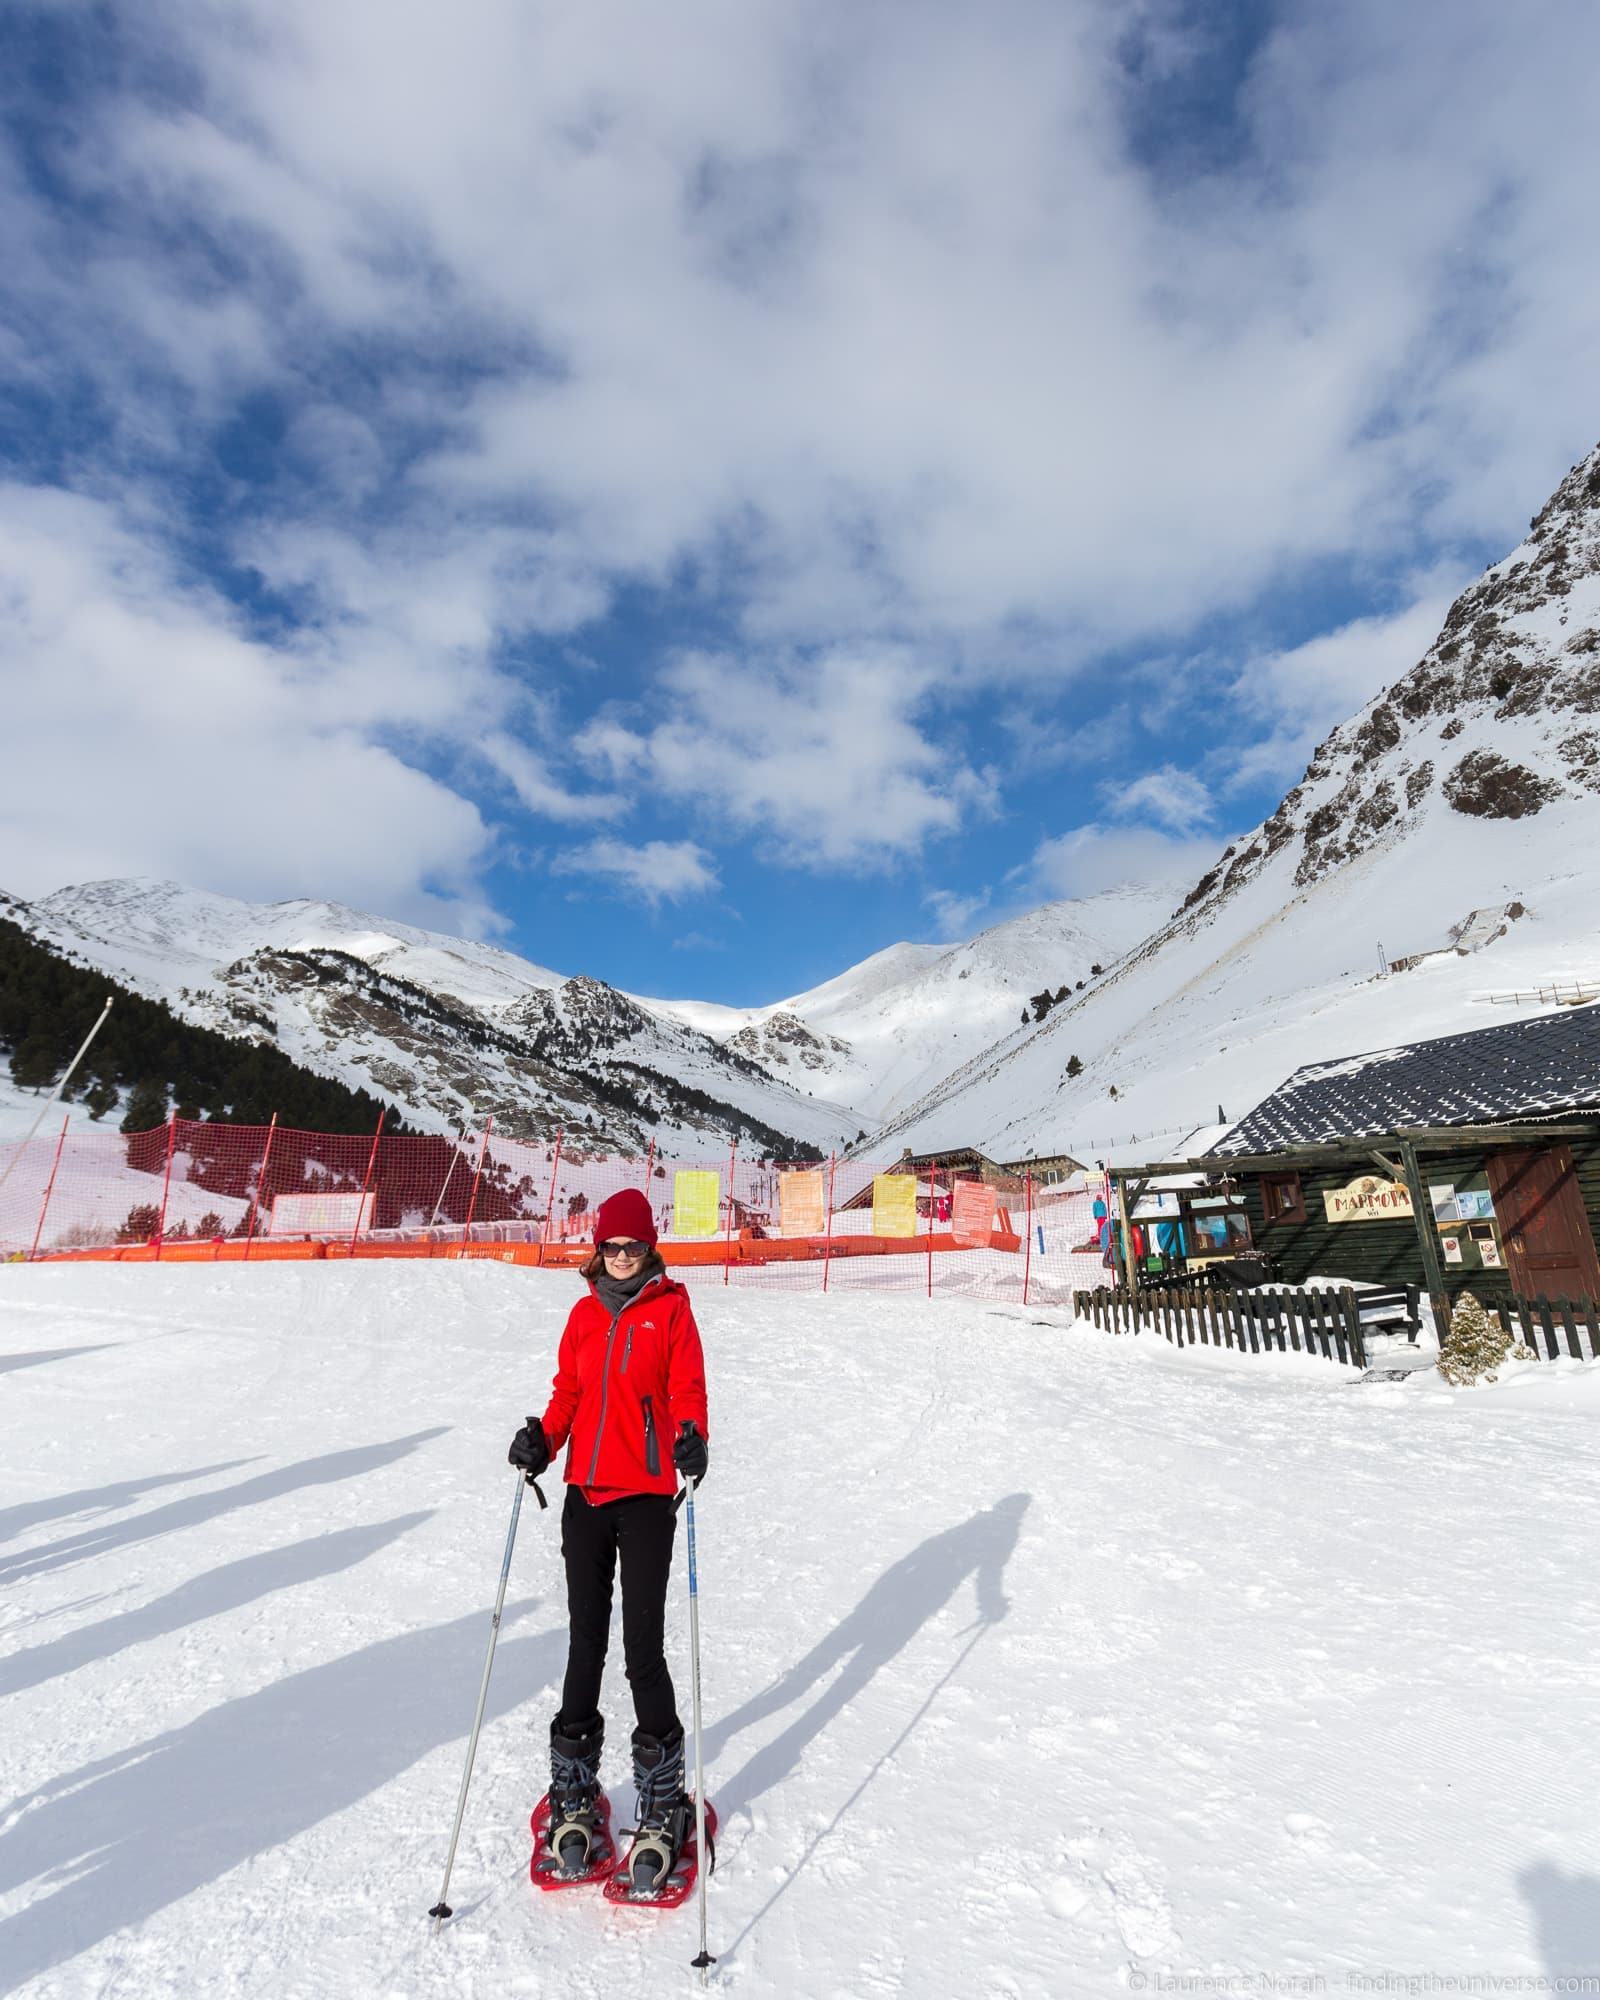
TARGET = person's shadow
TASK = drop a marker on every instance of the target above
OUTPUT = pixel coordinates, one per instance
(1566, 1914)
(120, 1838)
(908, 1594)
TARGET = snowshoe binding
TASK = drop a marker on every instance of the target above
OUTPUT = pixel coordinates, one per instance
(572, 1822)
(661, 1866)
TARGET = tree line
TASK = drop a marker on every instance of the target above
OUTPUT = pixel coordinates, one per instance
(163, 1064)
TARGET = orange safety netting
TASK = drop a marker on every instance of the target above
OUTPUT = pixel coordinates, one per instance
(202, 1190)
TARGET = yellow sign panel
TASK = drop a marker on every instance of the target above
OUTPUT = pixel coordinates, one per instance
(894, 1204)
(696, 1202)
(1368, 1198)
(800, 1204)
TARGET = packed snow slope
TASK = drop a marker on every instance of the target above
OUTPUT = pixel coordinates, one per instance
(1036, 1662)
(884, 1032)
(1472, 785)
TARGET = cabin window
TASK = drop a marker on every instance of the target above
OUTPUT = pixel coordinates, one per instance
(1282, 1199)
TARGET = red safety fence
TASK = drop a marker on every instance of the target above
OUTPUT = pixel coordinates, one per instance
(200, 1190)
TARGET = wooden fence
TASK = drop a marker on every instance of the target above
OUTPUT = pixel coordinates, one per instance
(1266, 1319)
(1552, 1328)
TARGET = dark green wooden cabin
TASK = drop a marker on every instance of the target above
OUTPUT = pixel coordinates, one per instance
(1481, 1154)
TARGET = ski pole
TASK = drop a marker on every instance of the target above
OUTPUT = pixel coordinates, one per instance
(705, 1959)
(442, 1909)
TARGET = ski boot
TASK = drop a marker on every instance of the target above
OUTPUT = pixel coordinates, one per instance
(573, 1820)
(666, 1812)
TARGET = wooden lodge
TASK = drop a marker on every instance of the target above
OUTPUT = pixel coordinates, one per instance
(1467, 1162)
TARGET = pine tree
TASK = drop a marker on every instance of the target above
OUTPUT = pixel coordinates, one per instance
(1474, 1347)
(147, 1107)
(1074, 1066)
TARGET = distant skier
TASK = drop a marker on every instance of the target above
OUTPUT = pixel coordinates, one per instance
(629, 1373)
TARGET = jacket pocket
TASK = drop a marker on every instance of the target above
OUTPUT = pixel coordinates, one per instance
(652, 1450)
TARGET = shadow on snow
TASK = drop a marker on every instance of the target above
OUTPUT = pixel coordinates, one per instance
(225, 1588)
(107, 1499)
(202, 1507)
(130, 1833)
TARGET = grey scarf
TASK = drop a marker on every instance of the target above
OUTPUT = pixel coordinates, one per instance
(616, 1292)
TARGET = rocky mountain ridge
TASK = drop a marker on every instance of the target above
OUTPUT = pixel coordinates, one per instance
(1342, 921)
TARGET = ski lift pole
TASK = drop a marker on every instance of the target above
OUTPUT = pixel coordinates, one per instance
(55, 1094)
(442, 1909)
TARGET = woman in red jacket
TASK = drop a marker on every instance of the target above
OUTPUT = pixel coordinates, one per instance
(629, 1403)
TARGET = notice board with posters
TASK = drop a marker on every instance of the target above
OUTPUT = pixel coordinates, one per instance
(1463, 1214)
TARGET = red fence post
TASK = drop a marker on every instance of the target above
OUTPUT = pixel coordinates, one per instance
(727, 1234)
(827, 1234)
(1027, 1253)
(166, 1184)
(472, 1205)
(372, 1161)
(49, 1187)
(261, 1184)
(550, 1205)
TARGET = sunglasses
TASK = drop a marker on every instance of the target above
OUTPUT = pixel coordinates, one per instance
(631, 1248)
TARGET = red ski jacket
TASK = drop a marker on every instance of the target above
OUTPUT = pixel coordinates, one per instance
(623, 1387)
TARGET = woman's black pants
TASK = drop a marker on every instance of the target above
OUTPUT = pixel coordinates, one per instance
(639, 1530)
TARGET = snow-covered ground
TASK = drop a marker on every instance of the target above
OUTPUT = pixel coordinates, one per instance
(1037, 1662)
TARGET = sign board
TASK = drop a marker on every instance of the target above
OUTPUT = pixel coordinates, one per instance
(800, 1204)
(320, 1214)
(1368, 1198)
(696, 1201)
(894, 1204)
(1469, 1231)
(972, 1214)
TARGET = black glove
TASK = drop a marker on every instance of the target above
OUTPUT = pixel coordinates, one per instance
(691, 1454)
(529, 1449)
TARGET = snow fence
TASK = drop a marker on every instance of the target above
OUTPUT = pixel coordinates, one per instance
(204, 1190)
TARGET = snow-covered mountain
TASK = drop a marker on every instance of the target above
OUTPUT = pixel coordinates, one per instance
(889, 1029)
(453, 1031)
(449, 1031)
(1449, 829)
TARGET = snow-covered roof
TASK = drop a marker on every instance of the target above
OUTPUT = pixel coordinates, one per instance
(1518, 1069)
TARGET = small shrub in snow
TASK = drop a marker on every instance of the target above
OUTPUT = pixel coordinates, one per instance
(1476, 1345)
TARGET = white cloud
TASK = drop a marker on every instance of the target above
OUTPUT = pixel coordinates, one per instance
(1298, 695)
(1174, 799)
(953, 913)
(556, 304)
(655, 870)
(1096, 857)
(760, 313)
(821, 757)
(162, 741)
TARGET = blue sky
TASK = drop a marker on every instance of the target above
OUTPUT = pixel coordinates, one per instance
(699, 494)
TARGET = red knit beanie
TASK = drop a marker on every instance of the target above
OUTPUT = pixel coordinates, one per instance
(625, 1215)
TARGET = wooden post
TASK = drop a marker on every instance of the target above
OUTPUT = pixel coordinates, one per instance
(1129, 1265)
(827, 1234)
(261, 1185)
(49, 1187)
(372, 1161)
(1428, 1239)
(550, 1205)
(472, 1205)
(166, 1183)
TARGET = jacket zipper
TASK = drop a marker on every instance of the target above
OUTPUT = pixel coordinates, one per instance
(605, 1389)
(652, 1451)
